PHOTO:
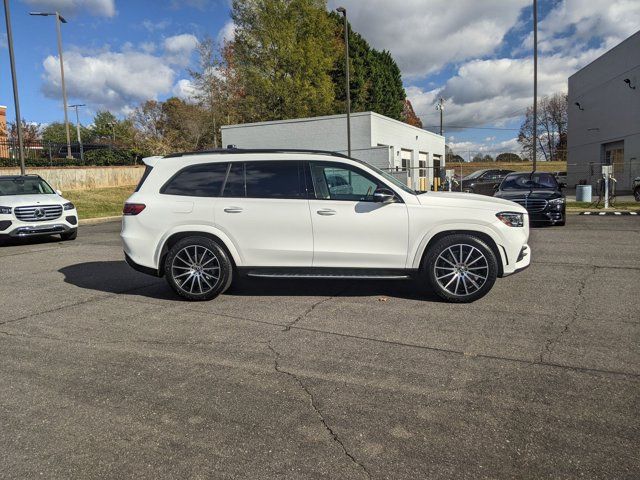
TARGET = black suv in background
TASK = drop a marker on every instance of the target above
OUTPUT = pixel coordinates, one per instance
(483, 182)
(539, 193)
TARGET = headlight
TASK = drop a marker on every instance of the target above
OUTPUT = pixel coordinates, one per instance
(557, 201)
(511, 219)
(5, 210)
(68, 206)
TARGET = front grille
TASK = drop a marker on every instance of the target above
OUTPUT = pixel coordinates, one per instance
(38, 213)
(533, 205)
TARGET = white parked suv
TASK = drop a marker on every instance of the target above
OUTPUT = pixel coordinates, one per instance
(29, 207)
(201, 218)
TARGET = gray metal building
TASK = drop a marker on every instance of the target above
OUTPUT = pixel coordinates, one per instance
(604, 117)
(411, 153)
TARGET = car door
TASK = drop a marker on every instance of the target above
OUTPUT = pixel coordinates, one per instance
(265, 211)
(349, 228)
(487, 182)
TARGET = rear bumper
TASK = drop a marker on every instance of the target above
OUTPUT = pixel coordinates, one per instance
(141, 268)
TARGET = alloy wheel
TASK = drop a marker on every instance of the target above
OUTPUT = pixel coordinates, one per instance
(196, 270)
(461, 269)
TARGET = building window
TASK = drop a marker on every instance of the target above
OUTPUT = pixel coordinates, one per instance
(423, 160)
(405, 158)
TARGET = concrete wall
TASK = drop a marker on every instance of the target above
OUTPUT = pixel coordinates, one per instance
(84, 178)
(610, 113)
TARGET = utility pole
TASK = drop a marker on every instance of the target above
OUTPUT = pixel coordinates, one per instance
(78, 129)
(535, 83)
(60, 19)
(16, 100)
(440, 106)
(343, 11)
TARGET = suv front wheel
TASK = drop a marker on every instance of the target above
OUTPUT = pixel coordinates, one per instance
(460, 268)
(197, 268)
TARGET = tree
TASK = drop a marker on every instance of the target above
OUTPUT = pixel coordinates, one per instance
(30, 132)
(478, 158)
(487, 158)
(108, 129)
(387, 94)
(409, 115)
(508, 157)
(57, 133)
(150, 125)
(552, 128)
(283, 53)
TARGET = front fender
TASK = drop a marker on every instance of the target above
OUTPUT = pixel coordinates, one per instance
(417, 251)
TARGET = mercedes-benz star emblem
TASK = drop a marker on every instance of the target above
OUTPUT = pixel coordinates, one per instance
(39, 213)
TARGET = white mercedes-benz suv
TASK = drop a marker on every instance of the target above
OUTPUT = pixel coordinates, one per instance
(201, 218)
(29, 207)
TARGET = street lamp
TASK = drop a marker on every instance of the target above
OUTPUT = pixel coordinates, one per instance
(59, 19)
(535, 83)
(16, 101)
(343, 11)
(78, 129)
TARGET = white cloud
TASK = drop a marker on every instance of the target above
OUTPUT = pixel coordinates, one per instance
(179, 48)
(99, 8)
(467, 149)
(116, 81)
(185, 90)
(425, 35)
(227, 33)
(152, 26)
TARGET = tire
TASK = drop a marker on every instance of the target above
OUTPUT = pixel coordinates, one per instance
(203, 263)
(460, 268)
(72, 235)
(636, 194)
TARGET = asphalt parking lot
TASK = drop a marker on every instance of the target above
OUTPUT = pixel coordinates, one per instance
(105, 373)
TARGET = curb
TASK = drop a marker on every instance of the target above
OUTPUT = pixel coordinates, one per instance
(99, 220)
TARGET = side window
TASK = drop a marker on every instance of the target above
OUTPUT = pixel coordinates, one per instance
(335, 181)
(234, 187)
(274, 180)
(197, 181)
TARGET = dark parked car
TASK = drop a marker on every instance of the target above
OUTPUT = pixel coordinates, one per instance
(483, 182)
(636, 188)
(539, 193)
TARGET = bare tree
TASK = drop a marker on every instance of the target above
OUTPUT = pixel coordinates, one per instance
(552, 128)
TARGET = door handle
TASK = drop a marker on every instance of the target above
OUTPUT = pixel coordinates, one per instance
(233, 210)
(326, 212)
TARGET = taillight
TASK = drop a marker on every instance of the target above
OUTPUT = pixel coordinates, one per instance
(133, 208)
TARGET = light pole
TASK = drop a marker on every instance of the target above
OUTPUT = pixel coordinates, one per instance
(440, 106)
(60, 19)
(16, 100)
(78, 129)
(535, 82)
(343, 11)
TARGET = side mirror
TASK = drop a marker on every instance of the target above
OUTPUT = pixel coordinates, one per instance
(562, 185)
(496, 187)
(59, 192)
(383, 195)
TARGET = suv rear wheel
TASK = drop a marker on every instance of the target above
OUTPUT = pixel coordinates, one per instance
(197, 268)
(460, 268)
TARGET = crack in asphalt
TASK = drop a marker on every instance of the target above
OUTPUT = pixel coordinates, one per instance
(551, 342)
(318, 412)
(293, 323)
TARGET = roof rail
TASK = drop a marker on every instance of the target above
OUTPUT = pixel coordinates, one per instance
(257, 150)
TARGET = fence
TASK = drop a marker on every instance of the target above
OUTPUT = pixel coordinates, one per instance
(39, 153)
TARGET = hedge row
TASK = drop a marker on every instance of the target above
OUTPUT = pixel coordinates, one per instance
(97, 158)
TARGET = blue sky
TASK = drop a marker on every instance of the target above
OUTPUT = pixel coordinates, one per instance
(474, 53)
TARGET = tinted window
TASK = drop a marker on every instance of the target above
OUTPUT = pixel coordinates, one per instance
(197, 181)
(274, 180)
(235, 181)
(526, 181)
(342, 182)
(24, 186)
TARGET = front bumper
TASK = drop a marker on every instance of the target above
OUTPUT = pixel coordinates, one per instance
(11, 227)
(523, 261)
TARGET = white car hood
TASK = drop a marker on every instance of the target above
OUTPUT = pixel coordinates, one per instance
(469, 200)
(37, 199)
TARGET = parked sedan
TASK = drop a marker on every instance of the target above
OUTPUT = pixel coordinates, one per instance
(539, 193)
(484, 181)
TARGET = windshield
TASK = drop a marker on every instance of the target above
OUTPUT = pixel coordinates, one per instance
(528, 181)
(473, 175)
(24, 186)
(392, 179)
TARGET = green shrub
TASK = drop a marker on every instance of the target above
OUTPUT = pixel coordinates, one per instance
(92, 158)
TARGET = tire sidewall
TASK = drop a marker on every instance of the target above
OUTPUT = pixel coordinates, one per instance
(226, 268)
(428, 267)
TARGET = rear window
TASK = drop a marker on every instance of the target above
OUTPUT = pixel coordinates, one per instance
(147, 171)
(197, 181)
